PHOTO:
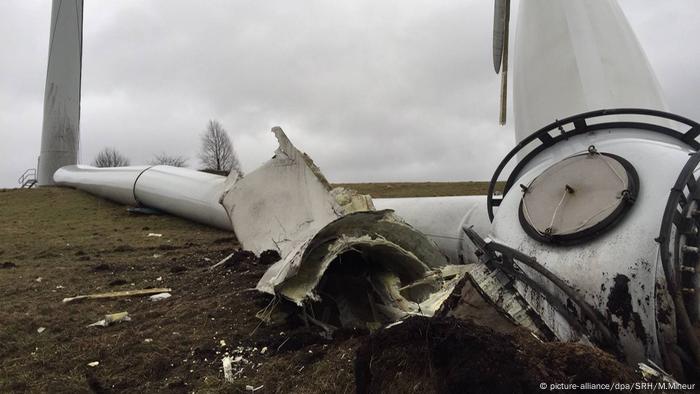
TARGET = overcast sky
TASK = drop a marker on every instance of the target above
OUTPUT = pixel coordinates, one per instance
(398, 90)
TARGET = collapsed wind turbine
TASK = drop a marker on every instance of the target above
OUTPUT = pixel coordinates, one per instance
(594, 239)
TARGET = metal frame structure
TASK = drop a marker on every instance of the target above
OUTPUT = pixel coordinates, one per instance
(679, 228)
(505, 258)
(580, 124)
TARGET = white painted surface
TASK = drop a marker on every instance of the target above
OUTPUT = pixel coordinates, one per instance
(627, 249)
(576, 56)
(60, 138)
(281, 204)
(441, 219)
(190, 194)
(116, 184)
(182, 192)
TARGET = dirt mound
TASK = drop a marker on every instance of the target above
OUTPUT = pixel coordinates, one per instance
(241, 260)
(446, 355)
(269, 257)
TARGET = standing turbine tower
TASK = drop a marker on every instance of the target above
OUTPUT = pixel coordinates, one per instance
(60, 136)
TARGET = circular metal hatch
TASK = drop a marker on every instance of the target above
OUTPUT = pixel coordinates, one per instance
(579, 197)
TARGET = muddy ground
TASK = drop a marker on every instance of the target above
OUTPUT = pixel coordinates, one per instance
(57, 243)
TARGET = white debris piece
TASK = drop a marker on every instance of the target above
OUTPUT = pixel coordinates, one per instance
(263, 350)
(41, 329)
(111, 319)
(154, 235)
(287, 205)
(222, 261)
(93, 364)
(228, 370)
(352, 201)
(160, 296)
(282, 203)
(405, 272)
(148, 340)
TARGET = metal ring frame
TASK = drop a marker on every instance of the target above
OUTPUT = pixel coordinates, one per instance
(604, 225)
(677, 222)
(577, 125)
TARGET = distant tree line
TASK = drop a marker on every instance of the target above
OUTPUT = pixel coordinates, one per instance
(216, 154)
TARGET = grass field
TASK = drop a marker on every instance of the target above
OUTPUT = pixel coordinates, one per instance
(419, 189)
(57, 243)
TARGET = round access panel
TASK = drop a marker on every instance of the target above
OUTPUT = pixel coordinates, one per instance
(578, 198)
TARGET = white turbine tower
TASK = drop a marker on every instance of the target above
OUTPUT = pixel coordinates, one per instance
(60, 136)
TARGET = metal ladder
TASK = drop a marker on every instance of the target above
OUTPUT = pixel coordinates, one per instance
(28, 179)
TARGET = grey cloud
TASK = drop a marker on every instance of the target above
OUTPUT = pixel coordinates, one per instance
(374, 91)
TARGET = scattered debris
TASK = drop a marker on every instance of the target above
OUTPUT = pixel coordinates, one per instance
(160, 297)
(154, 235)
(93, 364)
(253, 389)
(352, 201)
(111, 319)
(228, 369)
(158, 279)
(652, 372)
(222, 261)
(118, 294)
(41, 329)
(8, 264)
(268, 257)
(263, 350)
(238, 259)
(148, 340)
(39, 279)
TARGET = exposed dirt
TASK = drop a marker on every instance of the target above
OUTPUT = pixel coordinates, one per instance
(447, 355)
(57, 243)
(170, 345)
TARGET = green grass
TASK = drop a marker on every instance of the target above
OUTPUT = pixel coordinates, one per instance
(419, 189)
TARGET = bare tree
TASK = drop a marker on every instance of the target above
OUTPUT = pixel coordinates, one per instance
(217, 152)
(169, 160)
(110, 157)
